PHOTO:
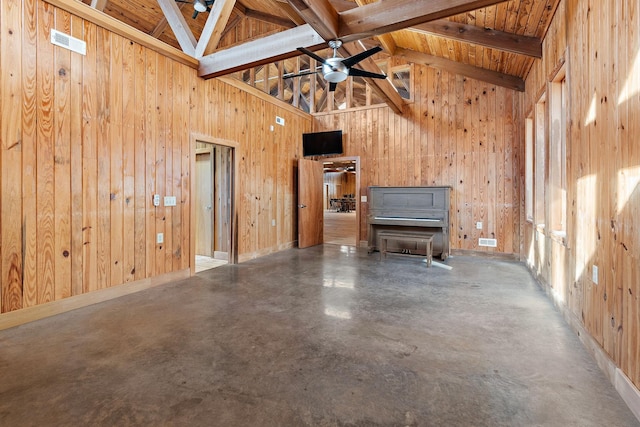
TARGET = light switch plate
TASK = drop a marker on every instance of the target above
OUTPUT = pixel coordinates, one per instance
(160, 238)
(594, 274)
(169, 200)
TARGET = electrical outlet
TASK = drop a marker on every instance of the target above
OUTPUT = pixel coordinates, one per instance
(160, 238)
(279, 121)
(273, 222)
(479, 225)
(594, 274)
(156, 200)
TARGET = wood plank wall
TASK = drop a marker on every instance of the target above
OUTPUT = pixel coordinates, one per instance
(601, 44)
(458, 132)
(87, 140)
(340, 183)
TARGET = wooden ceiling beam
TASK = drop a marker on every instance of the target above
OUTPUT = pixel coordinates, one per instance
(163, 24)
(320, 14)
(107, 22)
(383, 87)
(179, 26)
(482, 74)
(99, 4)
(214, 27)
(386, 40)
(386, 16)
(270, 19)
(494, 39)
(262, 51)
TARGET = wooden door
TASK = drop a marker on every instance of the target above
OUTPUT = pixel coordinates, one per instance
(310, 213)
(204, 202)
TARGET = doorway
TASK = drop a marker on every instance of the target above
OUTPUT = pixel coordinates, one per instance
(213, 201)
(341, 191)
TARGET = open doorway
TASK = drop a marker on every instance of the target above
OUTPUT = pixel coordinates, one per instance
(213, 202)
(341, 191)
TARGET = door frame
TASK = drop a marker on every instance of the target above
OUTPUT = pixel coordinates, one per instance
(356, 160)
(233, 223)
(210, 151)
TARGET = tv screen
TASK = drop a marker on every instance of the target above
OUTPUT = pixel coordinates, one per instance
(322, 143)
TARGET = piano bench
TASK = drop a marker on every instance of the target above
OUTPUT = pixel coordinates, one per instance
(425, 239)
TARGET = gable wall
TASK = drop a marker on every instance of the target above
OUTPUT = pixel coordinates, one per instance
(455, 131)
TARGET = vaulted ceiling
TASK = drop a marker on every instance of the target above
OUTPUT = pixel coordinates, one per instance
(493, 41)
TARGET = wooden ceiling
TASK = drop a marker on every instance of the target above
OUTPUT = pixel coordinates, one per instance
(493, 41)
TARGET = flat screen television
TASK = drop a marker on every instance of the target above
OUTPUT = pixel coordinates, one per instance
(322, 143)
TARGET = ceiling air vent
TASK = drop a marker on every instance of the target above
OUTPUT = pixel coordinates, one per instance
(68, 42)
(492, 243)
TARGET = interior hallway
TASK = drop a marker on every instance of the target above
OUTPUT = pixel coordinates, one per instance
(322, 336)
(340, 228)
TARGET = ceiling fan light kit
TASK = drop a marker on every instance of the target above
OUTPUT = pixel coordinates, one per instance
(337, 69)
(199, 5)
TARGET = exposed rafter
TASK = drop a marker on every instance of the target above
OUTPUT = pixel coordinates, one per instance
(99, 4)
(482, 74)
(214, 27)
(320, 14)
(383, 87)
(179, 26)
(386, 40)
(515, 43)
(270, 19)
(258, 52)
(387, 16)
(163, 24)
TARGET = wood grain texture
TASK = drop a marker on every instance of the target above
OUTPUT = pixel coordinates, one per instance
(450, 122)
(100, 134)
(603, 170)
(11, 244)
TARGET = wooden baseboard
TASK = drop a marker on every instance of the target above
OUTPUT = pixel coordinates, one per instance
(623, 385)
(30, 314)
(268, 251)
(485, 254)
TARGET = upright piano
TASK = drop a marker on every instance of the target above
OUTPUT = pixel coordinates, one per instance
(413, 210)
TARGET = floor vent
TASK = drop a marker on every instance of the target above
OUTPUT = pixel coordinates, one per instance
(68, 42)
(492, 243)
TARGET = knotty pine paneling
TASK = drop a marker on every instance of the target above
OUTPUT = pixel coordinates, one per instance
(603, 174)
(87, 140)
(457, 132)
(340, 183)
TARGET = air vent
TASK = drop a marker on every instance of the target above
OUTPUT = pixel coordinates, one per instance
(492, 243)
(68, 42)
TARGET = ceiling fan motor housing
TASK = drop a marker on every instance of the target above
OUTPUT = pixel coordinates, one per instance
(334, 70)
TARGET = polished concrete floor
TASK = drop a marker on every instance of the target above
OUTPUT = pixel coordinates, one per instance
(326, 336)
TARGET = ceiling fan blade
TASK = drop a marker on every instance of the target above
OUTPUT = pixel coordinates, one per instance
(332, 86)
(353, 60)
(362, 73)
(313, 55)
(304, 73)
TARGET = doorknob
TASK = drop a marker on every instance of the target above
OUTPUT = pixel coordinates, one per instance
(302, 206)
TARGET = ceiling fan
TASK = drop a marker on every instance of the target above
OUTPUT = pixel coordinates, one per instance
(336, 69)
(198, 6)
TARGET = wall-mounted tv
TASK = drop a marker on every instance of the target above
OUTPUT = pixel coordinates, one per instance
(322, 143)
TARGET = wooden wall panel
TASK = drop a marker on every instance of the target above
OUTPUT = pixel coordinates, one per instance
(11, 244)
(448, 136)
(88, 140)
(340, 183)
(603, 173)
